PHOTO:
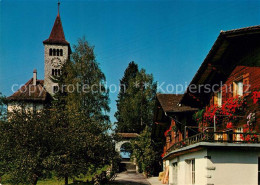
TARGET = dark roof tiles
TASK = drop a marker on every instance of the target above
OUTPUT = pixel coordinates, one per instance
(30, 92)
(235, 33)
(170, 103)
(57, 34)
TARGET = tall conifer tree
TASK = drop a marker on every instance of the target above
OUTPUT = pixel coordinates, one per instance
(135, 106)
(130, 73)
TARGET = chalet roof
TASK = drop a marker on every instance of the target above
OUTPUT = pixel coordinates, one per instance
(170, 103)
(212, 62)
(57, 34)
(128, 135)
(30, 92)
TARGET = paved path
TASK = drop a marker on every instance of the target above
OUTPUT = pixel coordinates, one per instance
(131, 178)
(154, 181)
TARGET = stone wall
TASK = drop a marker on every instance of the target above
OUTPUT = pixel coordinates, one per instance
(48, 64)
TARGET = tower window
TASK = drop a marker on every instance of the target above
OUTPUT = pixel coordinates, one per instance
(61, 52)
(56, 72)
(34, 108)
(58, 52)
(54, 52)
(55, 89)
(50, 52)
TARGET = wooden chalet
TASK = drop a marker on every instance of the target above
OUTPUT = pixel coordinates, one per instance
(225, 91)
(172, 120)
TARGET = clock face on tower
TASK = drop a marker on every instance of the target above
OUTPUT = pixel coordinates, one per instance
(56, 62)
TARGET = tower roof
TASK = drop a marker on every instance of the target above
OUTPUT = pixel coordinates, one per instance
(57, 35)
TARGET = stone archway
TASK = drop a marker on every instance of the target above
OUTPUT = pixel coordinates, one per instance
(120, 144)
(126, 164)
(124, 138)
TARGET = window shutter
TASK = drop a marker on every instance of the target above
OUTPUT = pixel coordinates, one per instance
(212, 100)
(215, 99)
(246, 84)
(234, 89)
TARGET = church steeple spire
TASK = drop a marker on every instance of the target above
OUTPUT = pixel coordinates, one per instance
(57, 34)
(58, 7)
(56, 52)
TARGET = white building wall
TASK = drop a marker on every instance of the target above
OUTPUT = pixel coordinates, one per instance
(216, 166)
(183, 177)
(234, 167)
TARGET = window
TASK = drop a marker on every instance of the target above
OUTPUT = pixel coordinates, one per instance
(193, 171)
(190, 171)
(219, 95)
(238, 89)
(54, 52)
(258, 170)
(218, 98)
(239, 136)
(50, 52)
(34, 108)
(55, 89)
(23, 108)
(61, 52)
(175, 173)
(56, 72)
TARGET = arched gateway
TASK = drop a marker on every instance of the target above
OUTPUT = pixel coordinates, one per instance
(126, 164)
(125, 138)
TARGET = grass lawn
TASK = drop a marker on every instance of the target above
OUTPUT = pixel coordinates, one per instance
(56, 182)
(52, 182)
(83, 178)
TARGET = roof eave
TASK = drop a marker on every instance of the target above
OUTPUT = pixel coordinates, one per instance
(217, 45)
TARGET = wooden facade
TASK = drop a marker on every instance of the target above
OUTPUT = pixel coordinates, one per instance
(172, 122)
(230, 70)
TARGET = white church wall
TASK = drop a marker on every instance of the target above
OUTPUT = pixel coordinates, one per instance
(26, 106)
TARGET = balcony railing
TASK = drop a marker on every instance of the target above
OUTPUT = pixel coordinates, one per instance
(216, 137)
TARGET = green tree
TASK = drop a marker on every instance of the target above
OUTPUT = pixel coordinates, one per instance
(136, 109)
(2, 106)
(135, 114)
(145, 153)
(2, 120)
(81, 107)
(25, 143)
(130, 73)
(68, 138)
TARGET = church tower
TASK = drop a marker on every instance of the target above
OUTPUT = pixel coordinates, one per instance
(56, 52)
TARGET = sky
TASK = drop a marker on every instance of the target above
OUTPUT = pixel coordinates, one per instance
(169, 39)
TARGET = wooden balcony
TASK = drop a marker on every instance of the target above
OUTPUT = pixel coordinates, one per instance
(216, 137)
